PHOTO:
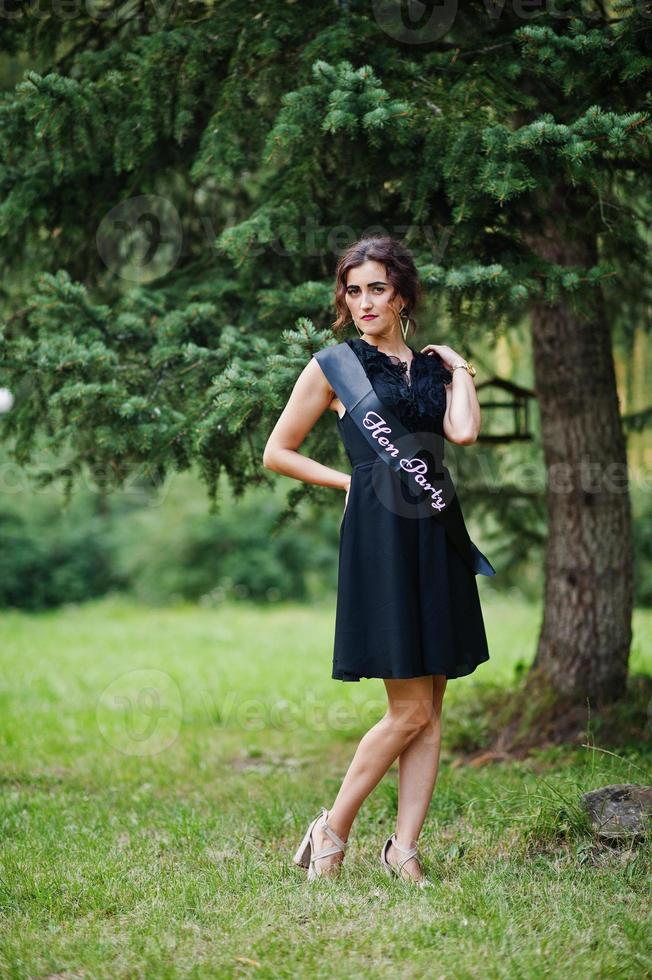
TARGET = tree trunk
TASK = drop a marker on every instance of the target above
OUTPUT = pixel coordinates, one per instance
(585, 636)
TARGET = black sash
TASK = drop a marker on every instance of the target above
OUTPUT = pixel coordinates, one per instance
(401, 450)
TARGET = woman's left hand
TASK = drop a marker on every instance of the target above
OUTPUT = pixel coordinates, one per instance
(448, 356)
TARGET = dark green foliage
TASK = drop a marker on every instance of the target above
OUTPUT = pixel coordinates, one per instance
(47, 560)
(159, 545)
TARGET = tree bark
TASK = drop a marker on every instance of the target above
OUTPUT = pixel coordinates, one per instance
(585, 637)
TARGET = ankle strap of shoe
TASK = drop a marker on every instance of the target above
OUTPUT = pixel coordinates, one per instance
(331, 833)
(412, 851)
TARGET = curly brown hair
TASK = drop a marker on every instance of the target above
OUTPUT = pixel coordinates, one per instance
(400, 269)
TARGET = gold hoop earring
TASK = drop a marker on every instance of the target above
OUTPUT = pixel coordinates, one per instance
(405, 326)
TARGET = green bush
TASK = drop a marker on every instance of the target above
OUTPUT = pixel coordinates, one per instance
(50, 560)
(162, 547)
(235, 555)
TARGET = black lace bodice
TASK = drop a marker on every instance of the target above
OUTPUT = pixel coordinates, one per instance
(419, 400)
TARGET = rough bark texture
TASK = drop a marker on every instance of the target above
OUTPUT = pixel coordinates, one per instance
(585, 637)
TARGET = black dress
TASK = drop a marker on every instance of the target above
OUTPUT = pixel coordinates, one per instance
(407, 603)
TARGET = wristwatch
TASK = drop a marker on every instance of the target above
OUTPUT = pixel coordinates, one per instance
(465, 364)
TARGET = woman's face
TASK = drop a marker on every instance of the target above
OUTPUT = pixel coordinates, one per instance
(368, 293)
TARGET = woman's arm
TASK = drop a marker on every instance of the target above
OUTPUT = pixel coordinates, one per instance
(462, 415)
(308, 400)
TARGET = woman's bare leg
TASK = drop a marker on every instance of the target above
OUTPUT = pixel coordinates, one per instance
(418, 765)
(409, 712)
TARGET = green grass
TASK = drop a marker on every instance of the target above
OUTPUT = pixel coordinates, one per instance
(159, 768)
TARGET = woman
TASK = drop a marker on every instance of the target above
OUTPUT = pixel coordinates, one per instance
(407, 607)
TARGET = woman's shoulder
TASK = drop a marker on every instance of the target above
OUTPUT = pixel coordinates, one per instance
(429, 377)
(432, 366)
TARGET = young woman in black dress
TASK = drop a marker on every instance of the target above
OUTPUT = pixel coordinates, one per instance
(407, 609)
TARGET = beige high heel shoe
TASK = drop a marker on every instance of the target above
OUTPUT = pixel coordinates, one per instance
(397, 869)
(304, 856)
